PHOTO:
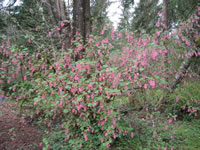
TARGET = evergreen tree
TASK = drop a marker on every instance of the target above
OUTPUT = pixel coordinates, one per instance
(145, 15)
(99, 12)
(181, 10)
(126, 14)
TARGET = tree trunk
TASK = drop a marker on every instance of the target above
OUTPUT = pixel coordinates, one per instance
(165, 16)
(178, 77)
(166, 26)
(182, 70)
(87, 18)
(81, 17)
(60, 5)
(78, 17)
(62, 10)
(51, 12)
(58, 9)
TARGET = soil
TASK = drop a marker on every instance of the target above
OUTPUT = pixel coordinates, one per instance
(16, 134)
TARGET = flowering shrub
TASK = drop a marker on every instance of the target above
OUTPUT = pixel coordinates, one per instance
(76, 84)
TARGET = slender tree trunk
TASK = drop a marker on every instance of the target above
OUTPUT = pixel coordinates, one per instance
(62, 10)
(166, 27)
(58, 9)
(165, 17)
(178, 77)
(51, 12)
(182, 70)
(60, 5)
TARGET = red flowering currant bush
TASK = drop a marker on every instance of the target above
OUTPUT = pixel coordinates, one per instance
(75, 85)
(81, 91)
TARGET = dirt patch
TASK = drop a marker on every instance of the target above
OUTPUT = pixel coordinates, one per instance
(14, 134)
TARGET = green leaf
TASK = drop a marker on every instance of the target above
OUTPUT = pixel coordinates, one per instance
(67, 86)
(157, 77)
(65, 111)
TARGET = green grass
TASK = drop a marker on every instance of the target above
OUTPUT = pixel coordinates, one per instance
(188, 135)
(187, 130)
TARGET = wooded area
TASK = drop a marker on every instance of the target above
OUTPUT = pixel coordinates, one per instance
(79, 82)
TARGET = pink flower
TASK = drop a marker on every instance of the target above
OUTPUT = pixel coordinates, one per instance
(152, 83)
(105, 133)
(62, 24)
(102, 140)
(78, 107)
(66, 131)
(158, 33)
(114, 136)
(107, 70)
(97, 44)
(188, 43)
(54, 84)
(102, 32)
(50, 84)
(88, 68)
(132, 134)
(76, 78)
(58, 29)
(80, 47)
(35, 103)
(119, 117)
(80, 89)
(107, 145)
(170, 120)
(85, 136)
(25, 78)
(90, 87)
(153, 55)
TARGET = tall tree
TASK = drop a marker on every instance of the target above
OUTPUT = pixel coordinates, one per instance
(145, 15)
(126, 15)
(56, 10)
(99, 12)
(165, 16)
(180, 10)
(166, 26)
(81, 17)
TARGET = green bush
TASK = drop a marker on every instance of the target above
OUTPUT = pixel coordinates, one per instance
(185, 101)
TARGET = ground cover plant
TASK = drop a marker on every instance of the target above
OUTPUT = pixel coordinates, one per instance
(85, 92)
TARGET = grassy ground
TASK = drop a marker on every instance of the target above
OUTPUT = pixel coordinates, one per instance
(158, 133)
(155, 130)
